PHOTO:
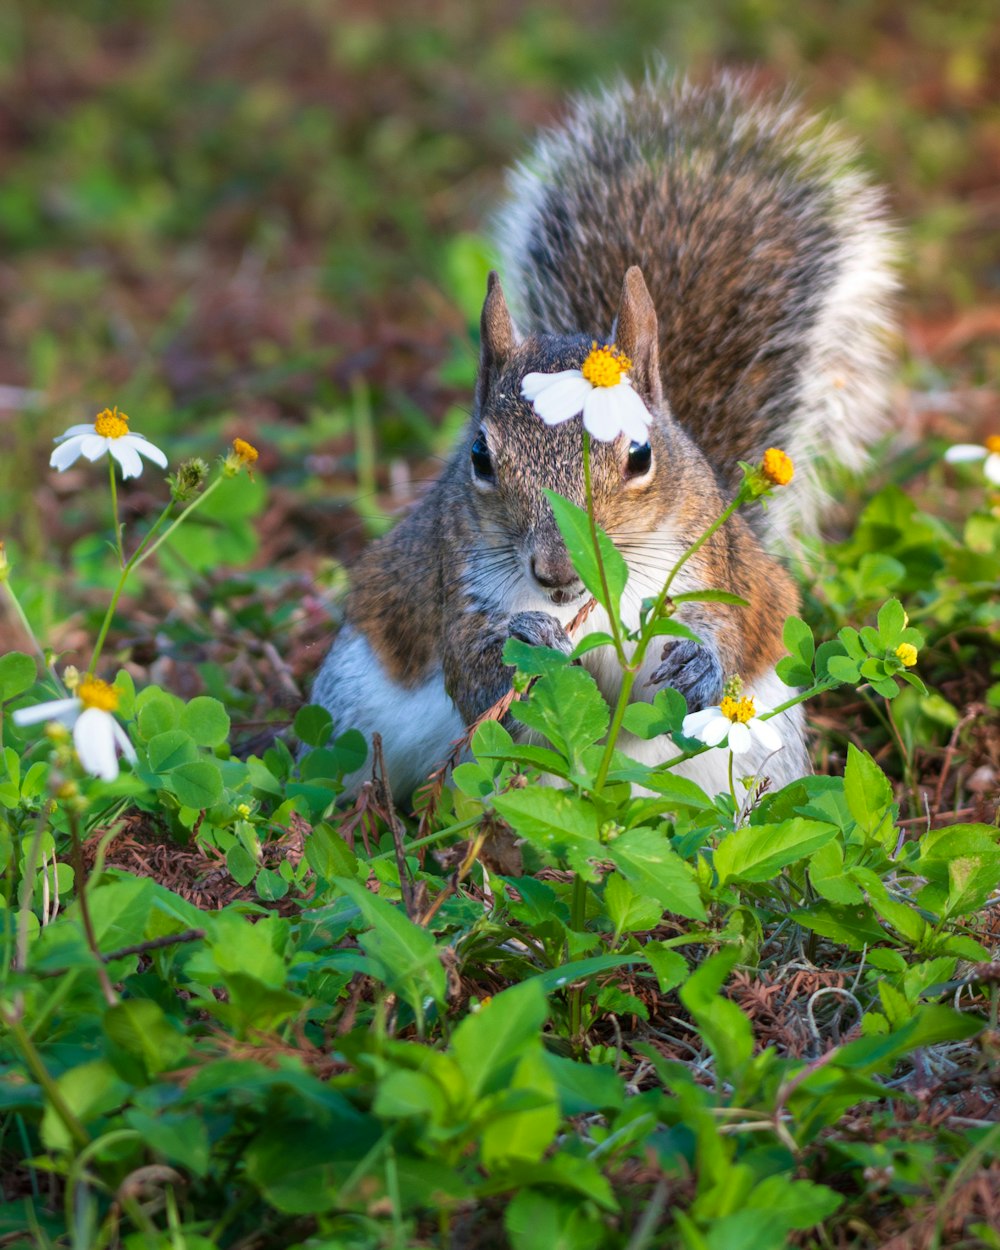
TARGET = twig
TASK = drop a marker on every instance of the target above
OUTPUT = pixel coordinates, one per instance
(110, 997)
(154, 944)
(380, 781)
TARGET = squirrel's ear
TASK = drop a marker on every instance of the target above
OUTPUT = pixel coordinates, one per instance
(637, 335)
(498, 338)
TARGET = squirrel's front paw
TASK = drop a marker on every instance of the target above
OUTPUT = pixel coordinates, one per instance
(693, 670)
(540, 630)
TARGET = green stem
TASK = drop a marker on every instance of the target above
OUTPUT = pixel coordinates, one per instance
(646, 636)
(30, 634)
(114, 512)
(578, 922)
(602, 572)
(38, 1070)
(732, 786)
(140, 556)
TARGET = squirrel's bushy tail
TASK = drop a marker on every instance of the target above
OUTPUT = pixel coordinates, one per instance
(765, 248)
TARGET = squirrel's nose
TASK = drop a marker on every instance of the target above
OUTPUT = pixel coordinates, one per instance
(554, 574)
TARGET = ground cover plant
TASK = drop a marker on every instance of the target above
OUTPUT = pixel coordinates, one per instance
(235, 1014)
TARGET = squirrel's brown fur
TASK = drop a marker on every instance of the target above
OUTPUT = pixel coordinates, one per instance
(758, 318)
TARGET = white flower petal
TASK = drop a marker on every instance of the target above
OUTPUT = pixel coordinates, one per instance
(633, 415)
(600, 414)
(992, 467)
(127, 456)
(564, 400)
(63, 710)
(765, 733)
(94, 739)
(716, 730)
(123, 741)
(67, 453)
(739, 738)
(534, 383)
(694, 721)
(145, 448)
(94, 446)
(75, 431)
(965, 451)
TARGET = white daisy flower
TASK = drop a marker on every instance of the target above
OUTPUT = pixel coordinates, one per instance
(733, 723)
(988, 451)
(600, 389)
(97, 736)
(109, 433)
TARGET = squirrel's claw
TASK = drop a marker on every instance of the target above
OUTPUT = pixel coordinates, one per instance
(693, 670)
(540, 630)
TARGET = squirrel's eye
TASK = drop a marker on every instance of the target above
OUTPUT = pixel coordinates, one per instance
(482, 465)
(640, 459)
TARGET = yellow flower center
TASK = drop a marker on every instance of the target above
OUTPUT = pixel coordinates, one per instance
(993, 444)
(111, 423)
(738, 710)
(907, 652)
(777, 467)
(605, 366)
(92, 692)
(245, 452)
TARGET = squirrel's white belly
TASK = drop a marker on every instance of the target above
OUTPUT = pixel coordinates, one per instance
(418, 724)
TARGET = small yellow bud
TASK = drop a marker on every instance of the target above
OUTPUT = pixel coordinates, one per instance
(243, 811)
(243, 455)
(907, 652)
(71, 678)
(777, 467)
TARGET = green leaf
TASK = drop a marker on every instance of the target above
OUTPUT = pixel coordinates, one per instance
(241, 864)
(170, 749)
(972, 879)
(89, 1090)
(843, 669)
(653, 868)
(312, 725)
(403, 1095)
(179, 1138)
(574, 525)
(826, 872)
(798, 638)
(350, 751)
(720, 1022)
(206, 720)
(584, 1088)
(536, 1221)
(270, 885)
(855, 927)
(196, 785)
(561, 823)
(488, 1045)
(869, 794)
(141, 1028)
(522, 1134)
(628, 910)
(17, 674)
(567, 708)
(759, 852)
(664, 715)
(328, 854)
(404, 953)
(157, 714)
(891, 621)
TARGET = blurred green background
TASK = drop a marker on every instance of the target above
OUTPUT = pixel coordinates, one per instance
(266, 217)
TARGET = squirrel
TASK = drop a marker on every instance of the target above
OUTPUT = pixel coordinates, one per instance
(730, 248)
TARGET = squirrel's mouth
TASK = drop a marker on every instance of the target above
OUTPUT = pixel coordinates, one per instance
(566, 594)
